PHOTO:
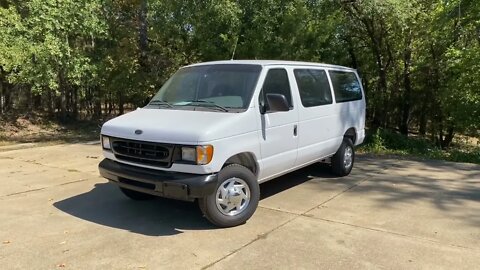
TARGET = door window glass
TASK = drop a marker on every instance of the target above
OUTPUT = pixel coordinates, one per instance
(313, 86)
(346, 86)
(276, 82)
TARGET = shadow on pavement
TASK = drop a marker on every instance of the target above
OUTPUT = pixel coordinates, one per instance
(283, 183)
(106, 205)
(452, 189)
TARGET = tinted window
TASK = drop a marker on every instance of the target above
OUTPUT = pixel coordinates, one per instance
(313, 87)
(345, 86)
(276, 82)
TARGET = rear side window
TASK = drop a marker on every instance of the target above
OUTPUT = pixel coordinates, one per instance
(276, 82)
(313, 87)
(346, 86)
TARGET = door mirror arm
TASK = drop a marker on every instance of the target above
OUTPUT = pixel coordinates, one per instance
(263, 109)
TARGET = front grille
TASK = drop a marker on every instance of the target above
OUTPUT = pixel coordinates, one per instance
(148, 153)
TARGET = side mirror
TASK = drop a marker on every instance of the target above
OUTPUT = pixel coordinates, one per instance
(277, 103)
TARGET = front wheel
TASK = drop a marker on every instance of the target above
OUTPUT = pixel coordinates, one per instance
(342, 161)
(235, 198)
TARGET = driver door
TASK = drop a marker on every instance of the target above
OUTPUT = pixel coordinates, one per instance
(279, 140)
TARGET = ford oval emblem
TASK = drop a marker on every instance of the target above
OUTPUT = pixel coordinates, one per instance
(138, 132)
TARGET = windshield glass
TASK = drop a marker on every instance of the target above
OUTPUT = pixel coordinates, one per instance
(223, 87)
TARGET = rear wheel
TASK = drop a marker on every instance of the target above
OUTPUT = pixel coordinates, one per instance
(235, 198)
(137, 196)
(342, 161)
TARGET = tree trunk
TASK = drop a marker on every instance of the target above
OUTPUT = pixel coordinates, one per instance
(423, 117)
(1, 92)
(382, 102)
(37, 102)
(105, 107)
(4, 93)
(75, 103)
(423, 120)
(121, 104)
(50, 103)
(7, 97)
(110, 107)
(29, 100)
(143, 33)
(440, 132)
(381, 116)
(448, 137)
(351, 52)
(97, 105)
(405, 105)
(63, 98)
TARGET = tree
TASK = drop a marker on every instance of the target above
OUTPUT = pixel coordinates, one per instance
(418, 59)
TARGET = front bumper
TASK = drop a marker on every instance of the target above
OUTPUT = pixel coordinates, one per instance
(181, 186)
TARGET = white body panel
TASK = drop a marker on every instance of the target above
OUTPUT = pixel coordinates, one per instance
(278, 144)
(269, 137)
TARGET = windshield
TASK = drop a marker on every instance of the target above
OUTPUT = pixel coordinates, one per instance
(223, 87)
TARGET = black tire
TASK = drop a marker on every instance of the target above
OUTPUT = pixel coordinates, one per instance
(137, 196)
(208, 204)
(339, 166)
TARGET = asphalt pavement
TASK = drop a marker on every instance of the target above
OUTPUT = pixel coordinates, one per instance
(56, 212)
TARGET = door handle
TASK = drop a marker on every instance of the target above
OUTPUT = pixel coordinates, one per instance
(295, 130)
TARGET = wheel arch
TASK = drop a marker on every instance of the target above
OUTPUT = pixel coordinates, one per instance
(351, 133)
(246, 159)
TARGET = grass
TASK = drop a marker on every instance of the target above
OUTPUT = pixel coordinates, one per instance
(385, 142)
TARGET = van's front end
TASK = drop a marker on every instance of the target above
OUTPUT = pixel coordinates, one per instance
(168, 153)
(177, 170)
(177, 146)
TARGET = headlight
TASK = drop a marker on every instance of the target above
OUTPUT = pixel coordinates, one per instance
(106, 142)
(200, 155)
(189, 154)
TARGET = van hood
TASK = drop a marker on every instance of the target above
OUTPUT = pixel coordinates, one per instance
(179, 126)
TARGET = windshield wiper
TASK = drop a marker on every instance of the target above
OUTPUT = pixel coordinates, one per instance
(160, 102)
(208, 103)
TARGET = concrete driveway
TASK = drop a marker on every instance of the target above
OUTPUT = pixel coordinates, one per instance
(56, 212)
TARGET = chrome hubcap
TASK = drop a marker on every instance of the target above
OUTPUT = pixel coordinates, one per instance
(348, 157)
(233, 196)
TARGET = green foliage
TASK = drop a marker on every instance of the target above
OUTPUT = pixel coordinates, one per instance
(386, 142)
(383, 140)
(376, 143)
(419, 60)
(49, 47)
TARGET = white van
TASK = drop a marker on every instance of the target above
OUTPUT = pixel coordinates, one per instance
(215, 130)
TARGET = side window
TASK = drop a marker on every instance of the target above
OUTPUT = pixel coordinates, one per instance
(276, 82)
(346, 86)
(313, 86)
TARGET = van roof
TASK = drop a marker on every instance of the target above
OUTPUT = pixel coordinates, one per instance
(270, 63)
